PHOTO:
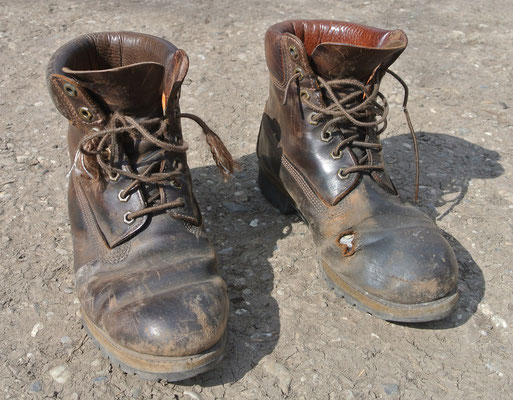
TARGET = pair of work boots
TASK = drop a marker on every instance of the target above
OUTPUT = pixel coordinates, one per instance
(146, 275)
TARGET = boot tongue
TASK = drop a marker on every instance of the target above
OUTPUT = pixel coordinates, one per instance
(343, 61)
(134, 90)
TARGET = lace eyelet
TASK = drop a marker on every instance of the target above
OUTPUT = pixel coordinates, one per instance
(175, 164)
(293, 52)
(122, 198)
(326, 136)
(176, 184)
(311, 119)
(127, 219)
(304, 94)
(70, 90)
(113, 176)
(341, 175)
(299, 71)
(85, 114)
(336, 155)
(106, 154)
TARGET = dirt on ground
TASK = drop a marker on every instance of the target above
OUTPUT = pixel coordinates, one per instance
(289, 335)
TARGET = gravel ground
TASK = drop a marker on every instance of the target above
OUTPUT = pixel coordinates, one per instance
(290, 337)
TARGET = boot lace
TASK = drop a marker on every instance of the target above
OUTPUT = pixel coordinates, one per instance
(362, 105)
(103, 150)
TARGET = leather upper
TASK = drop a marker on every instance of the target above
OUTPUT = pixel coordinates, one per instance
(396, 252)
(151, 284)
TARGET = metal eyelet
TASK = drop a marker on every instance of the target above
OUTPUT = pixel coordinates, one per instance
(85, 114)
(176, 184)
(304, 94)
(293, 52)
(326, 136)
(311, 120)
(70, 90)
(336, 155)
(113, 176)
(341, 174)
(300, 72)
(126, 218)
(106, 154)
(122, 198)
(175, 164)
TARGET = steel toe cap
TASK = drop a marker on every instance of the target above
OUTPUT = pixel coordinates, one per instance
(409, 264)
(181, 321)
(168, 311)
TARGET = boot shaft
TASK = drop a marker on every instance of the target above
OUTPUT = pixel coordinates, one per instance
(302, 57)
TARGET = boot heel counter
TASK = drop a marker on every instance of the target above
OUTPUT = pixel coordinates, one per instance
(268, 145)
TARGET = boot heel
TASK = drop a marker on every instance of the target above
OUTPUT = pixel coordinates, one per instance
(275, 194)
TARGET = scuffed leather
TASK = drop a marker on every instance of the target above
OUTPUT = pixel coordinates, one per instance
(152, 286)
(398, 254)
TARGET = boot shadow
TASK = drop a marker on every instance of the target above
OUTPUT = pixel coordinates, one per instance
(449, 164)
(244, 229)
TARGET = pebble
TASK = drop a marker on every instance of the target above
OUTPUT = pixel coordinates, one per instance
(228, 250)
(38, 104)
(65, 340)
(191, 394)
(254, 223)
(391, 388)
(37, 327)
(21, 159)
(234, 207)
(62, 252)
(36, 386)
(60, 374)
(281, 374)
(99, 378)
(261, 336)
(68, 290)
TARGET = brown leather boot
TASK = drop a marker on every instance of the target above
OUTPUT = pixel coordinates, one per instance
(146, 275)
(320, 155)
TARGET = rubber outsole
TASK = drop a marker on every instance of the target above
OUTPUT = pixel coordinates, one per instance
(154, 368)
(380, 308)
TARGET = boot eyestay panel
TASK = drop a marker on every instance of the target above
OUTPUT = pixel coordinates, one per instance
(110, 211)
(74, 103)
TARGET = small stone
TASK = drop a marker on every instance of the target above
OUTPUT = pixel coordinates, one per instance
(191, 394)
(6, 239)
(68, 290)
(261, 336)
(62, 252)
(136, 392)
(99, 378)
(281, 374)
(74, 396)
(247, 292)
(234, 207)
(36, 386)
(254, 223)
(21, 159)
(37, 327)
(239, 283)
(95, 363)
(60, 374)
(38, 104)
(391, 388)
(65, 340)
(228, 250)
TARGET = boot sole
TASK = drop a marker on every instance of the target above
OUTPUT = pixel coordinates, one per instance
(154, 368)
(380, 308)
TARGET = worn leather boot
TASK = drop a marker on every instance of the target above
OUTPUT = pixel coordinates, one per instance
(320, 155)
(146, 276)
